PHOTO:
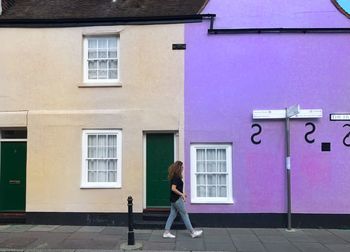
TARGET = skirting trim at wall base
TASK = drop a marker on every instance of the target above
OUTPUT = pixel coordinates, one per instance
(79, 219)
(271, 220)
(254, 220)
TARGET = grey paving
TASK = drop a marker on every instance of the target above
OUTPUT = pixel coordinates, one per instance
(66, 229)
(311, 247)
(244, 237)
(338, 247)
(4, 227)
(116, 230)
(250, 246)
(214, 246)
(42, 228)
(49, 238)
(92, 229)
(280, 247)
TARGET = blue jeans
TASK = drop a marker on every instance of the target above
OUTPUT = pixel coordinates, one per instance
(178, 206)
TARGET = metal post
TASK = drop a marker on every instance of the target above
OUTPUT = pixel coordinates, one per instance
(131, 236)
(288, 166)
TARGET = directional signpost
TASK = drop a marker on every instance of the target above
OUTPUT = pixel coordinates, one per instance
(293, 112)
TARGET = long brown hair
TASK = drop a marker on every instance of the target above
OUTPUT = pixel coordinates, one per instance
(175, 170)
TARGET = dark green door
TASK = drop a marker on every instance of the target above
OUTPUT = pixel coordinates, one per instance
(13, 176)
(159, 156)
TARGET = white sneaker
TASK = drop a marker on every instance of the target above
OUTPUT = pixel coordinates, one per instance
(168, 235)
(196, 233)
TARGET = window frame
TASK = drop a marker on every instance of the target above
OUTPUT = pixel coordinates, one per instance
(84, 176)
(193, 157)
(102, 82)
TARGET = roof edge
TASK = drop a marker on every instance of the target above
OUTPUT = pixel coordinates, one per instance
(76, 22)
(203, 7)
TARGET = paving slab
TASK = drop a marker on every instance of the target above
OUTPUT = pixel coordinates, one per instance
(142, 237)
(18, 228)
(338, 247)
(214, 246)
(91, 229)
(116, 231)
(330, 239)
(90, 235)
(48, 240)
(208, 251)
(93, 250)
(249, 246)
(4, 227)
(217, 238)
(240, 231)
(266, 231)
(11, 250)
(194, 244)
(66, 229)
(343, 234)
(300, 238)
(316, 231)
(244, 237)
(215, 231)
(280, 247)
(159, 246)
(17, 243)
(272, 238)
(89, 244)
(143, 231)
(43, 228)
(3, 237)
(49, 250)
(311, 247)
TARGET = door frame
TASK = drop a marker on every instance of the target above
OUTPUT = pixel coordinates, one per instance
(14, 140)
(176, 156)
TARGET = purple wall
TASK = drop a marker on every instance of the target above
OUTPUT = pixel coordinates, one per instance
(276, 13)
(228, 76)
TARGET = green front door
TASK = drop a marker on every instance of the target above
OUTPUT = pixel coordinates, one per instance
(13, 176)
(159, 156)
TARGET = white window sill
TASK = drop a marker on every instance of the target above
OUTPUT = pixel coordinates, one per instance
(100, 85)
(211, 201)
(99, 187)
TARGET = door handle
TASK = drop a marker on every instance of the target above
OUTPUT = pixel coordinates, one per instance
(14, 182)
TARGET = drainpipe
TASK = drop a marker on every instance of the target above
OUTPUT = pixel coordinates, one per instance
(0, 7)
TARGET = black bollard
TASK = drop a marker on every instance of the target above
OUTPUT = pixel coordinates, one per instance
(131, 236)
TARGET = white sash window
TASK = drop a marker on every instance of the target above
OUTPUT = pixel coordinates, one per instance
(101, 59)
(101, 158)
(211, 173)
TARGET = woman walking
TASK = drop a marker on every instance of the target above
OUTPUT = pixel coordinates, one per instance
(177, 199)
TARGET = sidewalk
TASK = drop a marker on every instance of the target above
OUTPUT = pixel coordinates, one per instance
(91, 238)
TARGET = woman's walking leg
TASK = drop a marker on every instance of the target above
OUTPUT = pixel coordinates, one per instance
(171, 218)
(180, 206)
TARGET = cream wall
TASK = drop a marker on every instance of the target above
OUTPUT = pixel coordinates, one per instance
(41, 74)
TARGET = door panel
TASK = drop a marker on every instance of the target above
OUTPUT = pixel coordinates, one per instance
(159, 156)
(13, 176)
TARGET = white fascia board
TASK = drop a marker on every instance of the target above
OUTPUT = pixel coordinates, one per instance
(281, 114)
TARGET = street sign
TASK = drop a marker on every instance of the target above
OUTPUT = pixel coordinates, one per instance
(281, 114)
(340, 117)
